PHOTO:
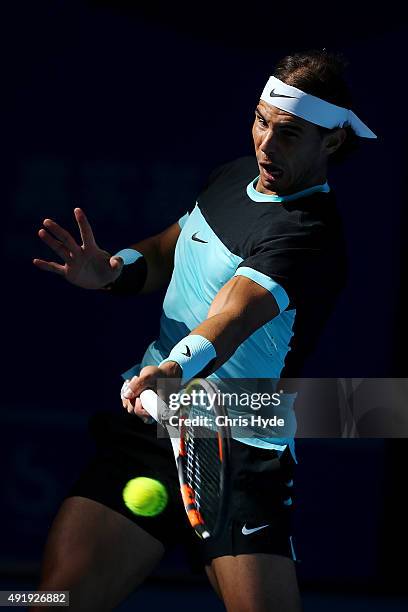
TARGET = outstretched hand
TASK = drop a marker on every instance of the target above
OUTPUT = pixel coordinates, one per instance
(86, 265)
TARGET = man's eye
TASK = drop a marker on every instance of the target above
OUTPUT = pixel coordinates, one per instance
(261, 120)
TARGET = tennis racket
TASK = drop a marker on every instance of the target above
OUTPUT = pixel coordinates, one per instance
(202, 453)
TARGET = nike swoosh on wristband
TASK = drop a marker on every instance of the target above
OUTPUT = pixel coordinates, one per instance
(187, 353)
(193, 237)
(278, 95)
(246, 531)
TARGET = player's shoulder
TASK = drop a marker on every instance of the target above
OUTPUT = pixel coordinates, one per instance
(320, 211)
(319, 222)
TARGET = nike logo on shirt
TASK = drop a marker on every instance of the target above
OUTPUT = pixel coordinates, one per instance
(246, 531)
(193, 237)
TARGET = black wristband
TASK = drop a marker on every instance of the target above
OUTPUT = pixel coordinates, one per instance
(131, 279)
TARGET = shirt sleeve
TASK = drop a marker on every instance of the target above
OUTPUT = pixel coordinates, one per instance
(294, 266)
(266, 281)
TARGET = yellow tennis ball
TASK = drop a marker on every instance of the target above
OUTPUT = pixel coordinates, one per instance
(145, 496)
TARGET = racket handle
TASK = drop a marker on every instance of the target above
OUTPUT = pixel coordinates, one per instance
(152, 403)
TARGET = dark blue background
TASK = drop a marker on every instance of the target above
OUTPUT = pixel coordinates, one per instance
(124, 112)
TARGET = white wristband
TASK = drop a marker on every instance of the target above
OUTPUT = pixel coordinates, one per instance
(192, 354)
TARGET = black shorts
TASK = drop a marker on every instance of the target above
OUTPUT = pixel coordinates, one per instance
(260, 510)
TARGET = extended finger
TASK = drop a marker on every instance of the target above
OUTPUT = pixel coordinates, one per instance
(84, 227)
(62, 235)
(49, 266)
(55, 245)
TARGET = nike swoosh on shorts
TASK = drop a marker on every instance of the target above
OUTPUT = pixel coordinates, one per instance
(246, 531)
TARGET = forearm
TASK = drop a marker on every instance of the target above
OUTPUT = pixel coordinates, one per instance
(226, 331)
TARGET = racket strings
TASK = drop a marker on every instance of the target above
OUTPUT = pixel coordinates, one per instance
(204, 460)
(203, 473)
(208, 482)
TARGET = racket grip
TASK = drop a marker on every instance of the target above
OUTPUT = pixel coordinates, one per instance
(152, 403)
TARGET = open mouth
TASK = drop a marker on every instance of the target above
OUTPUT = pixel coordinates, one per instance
(271, 171)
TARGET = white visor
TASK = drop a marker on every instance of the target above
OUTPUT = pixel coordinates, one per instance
(311, 108)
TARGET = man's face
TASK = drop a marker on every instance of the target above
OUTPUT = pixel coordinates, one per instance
(290, 151)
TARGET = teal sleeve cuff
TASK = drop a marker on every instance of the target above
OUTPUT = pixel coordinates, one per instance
(268, 283)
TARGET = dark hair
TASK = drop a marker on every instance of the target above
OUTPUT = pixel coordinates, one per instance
(321, 74)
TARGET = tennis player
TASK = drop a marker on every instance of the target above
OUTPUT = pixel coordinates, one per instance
(253, 270)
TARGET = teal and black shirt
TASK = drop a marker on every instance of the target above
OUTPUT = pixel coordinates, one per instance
(293, 246)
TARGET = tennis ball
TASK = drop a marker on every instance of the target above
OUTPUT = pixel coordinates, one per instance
(145, 496)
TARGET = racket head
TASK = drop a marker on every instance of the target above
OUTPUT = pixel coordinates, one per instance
(203, 460)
